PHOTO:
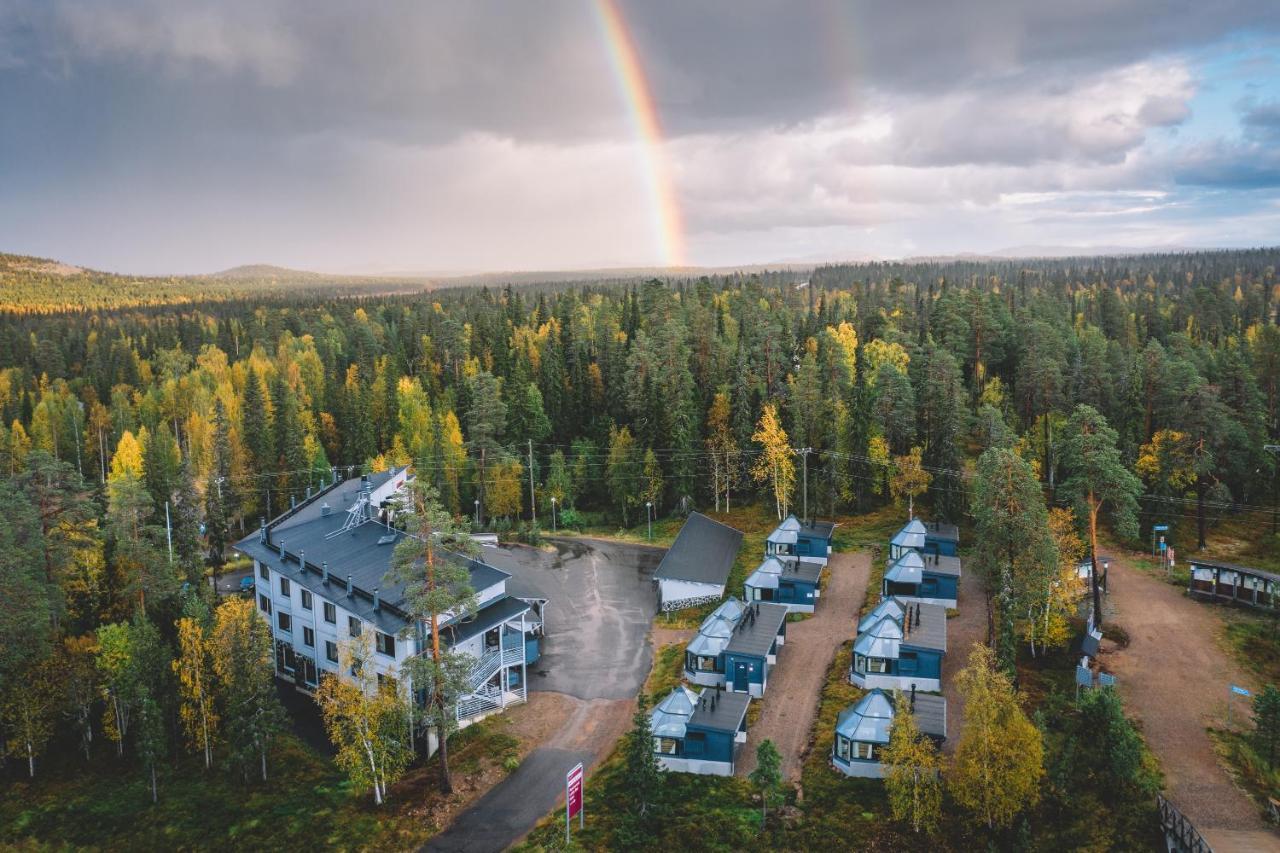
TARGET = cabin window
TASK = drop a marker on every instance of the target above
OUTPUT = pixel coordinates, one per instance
(863, 750)
(842, 748)
(263, 573)
(285, 621)
(331, 651)
(284, 587)
(666, 746)
(264, 603)
(308, 637)
(330, 613)
(353, 626)
(306, 600)
(706, 664)
(386, 644)
(876, 665)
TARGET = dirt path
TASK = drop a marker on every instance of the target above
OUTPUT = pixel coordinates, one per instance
(1174, 677)
(964, 630)
(791, 702)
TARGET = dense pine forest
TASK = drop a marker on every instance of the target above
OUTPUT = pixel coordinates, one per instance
(838, 390)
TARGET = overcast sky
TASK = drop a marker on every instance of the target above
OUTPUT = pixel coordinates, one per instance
(157, 136)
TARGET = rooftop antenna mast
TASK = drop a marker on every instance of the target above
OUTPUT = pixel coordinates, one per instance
(359, 513)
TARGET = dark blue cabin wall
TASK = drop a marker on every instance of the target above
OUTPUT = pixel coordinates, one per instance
(943, 547)
(755, 668)
(714, 746)
(928, 664)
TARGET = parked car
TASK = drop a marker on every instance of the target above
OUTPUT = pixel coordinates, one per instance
(246, 585)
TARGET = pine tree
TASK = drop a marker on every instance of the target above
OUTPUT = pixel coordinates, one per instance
(641, 776)
(1097, 477)
(437, 586)
(256, 432)
(218, 493)
(651, 481)
(1266, 724)
(767, 777)
(243, 664)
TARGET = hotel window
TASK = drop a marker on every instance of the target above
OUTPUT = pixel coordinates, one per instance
(386, 682)
(842, 748)
(862, 750)
(285, 621)
(330, 613)
(386, 644)
(308, 637)
(284, 587)
(353, 626)
(707, 664)
(876, 665)
(263, 573)
(331, 651)
(264, 603)
(306, 600)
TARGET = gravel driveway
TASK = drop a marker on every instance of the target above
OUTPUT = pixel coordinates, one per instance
(1174, 677)
(791, 702)
(964, 630)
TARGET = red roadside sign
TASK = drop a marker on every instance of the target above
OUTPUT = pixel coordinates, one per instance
(573, 790)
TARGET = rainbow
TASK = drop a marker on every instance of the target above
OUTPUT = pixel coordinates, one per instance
(634, 86)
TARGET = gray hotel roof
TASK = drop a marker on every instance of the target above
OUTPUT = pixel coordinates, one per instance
(931, 631)
(703, 552)
(756, 636)
(357, 552)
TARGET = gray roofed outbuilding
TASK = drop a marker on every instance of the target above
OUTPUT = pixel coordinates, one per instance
(703, 552)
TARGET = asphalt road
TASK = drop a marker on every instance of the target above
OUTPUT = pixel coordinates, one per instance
(600, 606)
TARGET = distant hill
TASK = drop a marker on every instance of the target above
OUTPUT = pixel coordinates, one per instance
(41, 285)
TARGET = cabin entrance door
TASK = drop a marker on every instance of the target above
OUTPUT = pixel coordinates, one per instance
(741, 680)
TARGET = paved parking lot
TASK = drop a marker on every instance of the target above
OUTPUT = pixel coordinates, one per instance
(596, 651)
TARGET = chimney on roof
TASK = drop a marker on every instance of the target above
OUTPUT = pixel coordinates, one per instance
(325, 509)
(349, 587)
(334, 471)
(308, 492)
(324, 571)
(282, 550)
(713, 704)
(302, 562)
(907, 624)
(262, 529)
(376, 598)
(917, 613)
(293, 501)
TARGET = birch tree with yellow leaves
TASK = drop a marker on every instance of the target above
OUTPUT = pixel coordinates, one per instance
(776, 464)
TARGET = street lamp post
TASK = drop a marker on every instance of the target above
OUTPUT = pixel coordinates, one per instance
(476, 517)
(553, 513)
(648, 513)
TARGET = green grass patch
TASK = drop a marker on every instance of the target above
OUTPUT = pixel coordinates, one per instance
(1248, 768)
(1254, 639)
(667, 672)
(106, 804)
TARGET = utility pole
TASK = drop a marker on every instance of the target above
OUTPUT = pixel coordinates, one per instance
(533, 507)
(804, 456)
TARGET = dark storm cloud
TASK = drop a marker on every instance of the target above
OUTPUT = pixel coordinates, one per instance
(234, 127)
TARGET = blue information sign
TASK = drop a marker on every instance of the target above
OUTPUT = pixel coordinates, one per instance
(1240, 691)
(1160, 528)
